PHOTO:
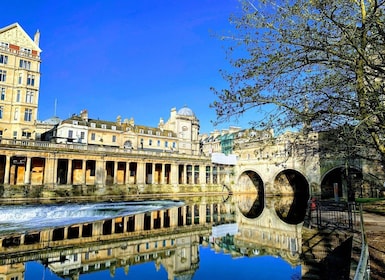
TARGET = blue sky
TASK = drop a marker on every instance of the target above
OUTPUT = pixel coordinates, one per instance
(130, 58)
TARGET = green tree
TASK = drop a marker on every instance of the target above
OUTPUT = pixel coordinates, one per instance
(315, 64)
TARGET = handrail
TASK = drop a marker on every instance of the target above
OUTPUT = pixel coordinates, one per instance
(363, 267)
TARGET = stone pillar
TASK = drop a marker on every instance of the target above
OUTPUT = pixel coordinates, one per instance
(153, 173)
(115, 172)
(99, 172)
(202, 175)
(84, 170)
(184, 176)
(141, 167)
(69, 172)
(174, 174)
(7, 169)
(27, 177)
(127, 173)
(49, 170)
(162, 171)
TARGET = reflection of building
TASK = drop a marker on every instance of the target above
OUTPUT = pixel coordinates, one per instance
(167, 237)
(19, 82)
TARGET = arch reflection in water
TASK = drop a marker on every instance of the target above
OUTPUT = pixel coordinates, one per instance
(169, 238)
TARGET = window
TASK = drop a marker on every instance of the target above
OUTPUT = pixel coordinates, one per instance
(104, 126)
(26, 51)
(2, 93)
(4, 45)
(1, 133)
(18, 95)
(70, 133)
(16, 115)
(29, 97)
(158, 133)
(1, 112)
(3, 59)
(3, 75)
(93, 136)
(149, 132)
(82, 134)
(20, 78)
(158, 143)
(75, 122)
(25, 64)
(173, 145)
(93, 125)
(28, 115)
(30, 80)
(113, 138)
(113, 127)
(169, 134)
(166, 144)
(26, 134)
(150, 142)
(14, 134)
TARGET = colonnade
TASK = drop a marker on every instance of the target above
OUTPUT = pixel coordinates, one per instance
(53, 168)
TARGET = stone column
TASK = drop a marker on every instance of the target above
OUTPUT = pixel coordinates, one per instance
(84, 170)
(184, 174)
(202, 175)
(174, 174)
(7, 169)
(141, 174)
(27, 177)
(99, 172)
(127, 175)
(115, 172)
(162, 171)
(69, 172)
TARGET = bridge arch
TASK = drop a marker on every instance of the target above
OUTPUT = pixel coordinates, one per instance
(347, 182)
(250, 182)
(294, 187)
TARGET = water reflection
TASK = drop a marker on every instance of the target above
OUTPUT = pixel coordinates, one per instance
(181, 241)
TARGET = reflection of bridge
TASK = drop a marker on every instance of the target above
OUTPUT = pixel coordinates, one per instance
(169, 237)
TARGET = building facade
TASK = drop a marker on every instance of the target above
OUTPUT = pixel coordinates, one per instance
(19, 82)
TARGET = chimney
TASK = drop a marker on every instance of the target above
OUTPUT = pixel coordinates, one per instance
(36, 39)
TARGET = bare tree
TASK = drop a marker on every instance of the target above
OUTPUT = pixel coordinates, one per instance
(314, 64)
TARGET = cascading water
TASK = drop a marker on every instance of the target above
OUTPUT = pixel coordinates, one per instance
(20, 218)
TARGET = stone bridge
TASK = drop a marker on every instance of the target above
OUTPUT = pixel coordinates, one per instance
(305, 167)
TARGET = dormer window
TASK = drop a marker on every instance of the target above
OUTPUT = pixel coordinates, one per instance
(113, 127)
(93, 125)
(104, 126)
(149, 132)
(75, 122)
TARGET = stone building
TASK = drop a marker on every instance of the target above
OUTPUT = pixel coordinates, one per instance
(178, 135)
(19, 82)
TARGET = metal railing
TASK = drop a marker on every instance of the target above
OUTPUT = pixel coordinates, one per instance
(341, 215)
(363, 267)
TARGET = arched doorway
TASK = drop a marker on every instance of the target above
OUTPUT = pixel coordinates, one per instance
(342, 182)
